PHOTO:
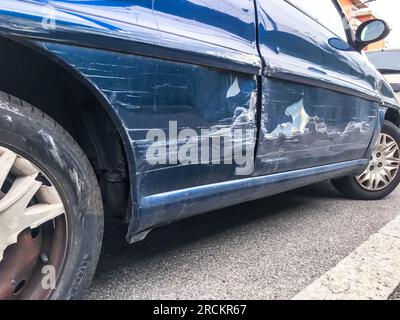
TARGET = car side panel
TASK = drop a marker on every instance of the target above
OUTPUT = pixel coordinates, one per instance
(150, 95)
(146, 94)
(304, 126)
(320, 98)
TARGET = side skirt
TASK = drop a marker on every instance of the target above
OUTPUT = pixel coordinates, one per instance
(164, 208)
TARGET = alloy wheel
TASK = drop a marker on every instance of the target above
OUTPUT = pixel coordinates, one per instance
(383, 166)
(33, 229)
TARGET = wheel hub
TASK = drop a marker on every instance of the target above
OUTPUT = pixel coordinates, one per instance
(18, 264)
(383, 166)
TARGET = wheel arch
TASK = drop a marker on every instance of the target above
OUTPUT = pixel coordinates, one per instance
(393, 116)
(56, 88)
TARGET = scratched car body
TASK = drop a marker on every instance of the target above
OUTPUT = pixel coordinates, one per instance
(108, 72)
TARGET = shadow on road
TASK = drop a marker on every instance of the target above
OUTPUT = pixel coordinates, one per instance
(117, 253)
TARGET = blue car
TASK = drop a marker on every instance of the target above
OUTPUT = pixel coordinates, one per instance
(150, 111)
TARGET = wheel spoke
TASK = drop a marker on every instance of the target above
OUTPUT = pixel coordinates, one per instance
(364, 177)
(391, 155)
(393, 161)
(20, 194)
(370, 182)
(389, 170)
(383, 140)
(41, 213)
(50, 207)
(23, 167)
(7, 159)
(390, 167)
(48, 195)
(15, 213)
(381, 180)
(389, 146)
(12, 207)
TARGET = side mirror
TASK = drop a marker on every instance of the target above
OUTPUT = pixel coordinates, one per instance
(371, 31)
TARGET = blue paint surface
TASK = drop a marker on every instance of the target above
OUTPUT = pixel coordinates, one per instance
(148, 94)
(223, 29)
(304, 126)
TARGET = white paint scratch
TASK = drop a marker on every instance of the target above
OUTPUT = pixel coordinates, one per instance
(53, 148)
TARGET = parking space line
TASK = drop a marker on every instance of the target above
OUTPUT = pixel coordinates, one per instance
(372, 271)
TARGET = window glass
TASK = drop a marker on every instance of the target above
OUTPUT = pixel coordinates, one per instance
(386, 61)
(325, 12)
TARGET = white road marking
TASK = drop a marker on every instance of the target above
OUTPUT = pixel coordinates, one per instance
(372, 271)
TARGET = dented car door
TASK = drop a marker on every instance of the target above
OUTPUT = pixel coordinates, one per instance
(319, 103)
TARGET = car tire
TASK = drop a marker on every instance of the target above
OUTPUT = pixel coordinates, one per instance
(376, 182)
(72, 240)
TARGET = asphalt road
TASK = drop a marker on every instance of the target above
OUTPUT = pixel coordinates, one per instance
(267, 249)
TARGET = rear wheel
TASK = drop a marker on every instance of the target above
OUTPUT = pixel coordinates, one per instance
(382, 175)
(51, 216)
